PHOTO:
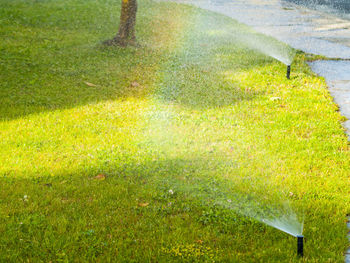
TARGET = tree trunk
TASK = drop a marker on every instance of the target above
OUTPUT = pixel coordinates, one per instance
(126, 32)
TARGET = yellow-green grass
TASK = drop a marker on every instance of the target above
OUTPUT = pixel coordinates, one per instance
(189, 107)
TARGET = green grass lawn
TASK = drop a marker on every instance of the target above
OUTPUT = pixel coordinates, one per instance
(93, 139)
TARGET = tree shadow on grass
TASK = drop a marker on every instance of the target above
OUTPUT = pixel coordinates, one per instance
(81, 76)
(86, 75)
(59, 71)
(81, 212)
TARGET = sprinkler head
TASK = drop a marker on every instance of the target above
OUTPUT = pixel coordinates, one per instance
(288, 72)
(300, 245)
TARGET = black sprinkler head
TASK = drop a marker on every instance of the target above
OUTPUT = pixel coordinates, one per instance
(300, 245)
(288, 72)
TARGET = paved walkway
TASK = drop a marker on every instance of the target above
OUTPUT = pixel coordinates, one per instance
(304, 29)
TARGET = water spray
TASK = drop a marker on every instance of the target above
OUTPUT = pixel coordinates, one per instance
(288, 71)
(300, 245)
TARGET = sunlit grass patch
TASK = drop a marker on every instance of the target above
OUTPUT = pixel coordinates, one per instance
(192, 252)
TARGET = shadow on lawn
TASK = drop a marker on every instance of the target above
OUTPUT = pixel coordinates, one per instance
(66, 72)
(202, 179)
(78, 213)
(197, 181)
(94, 75)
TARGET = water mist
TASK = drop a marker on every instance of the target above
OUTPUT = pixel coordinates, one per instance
(207, 169)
